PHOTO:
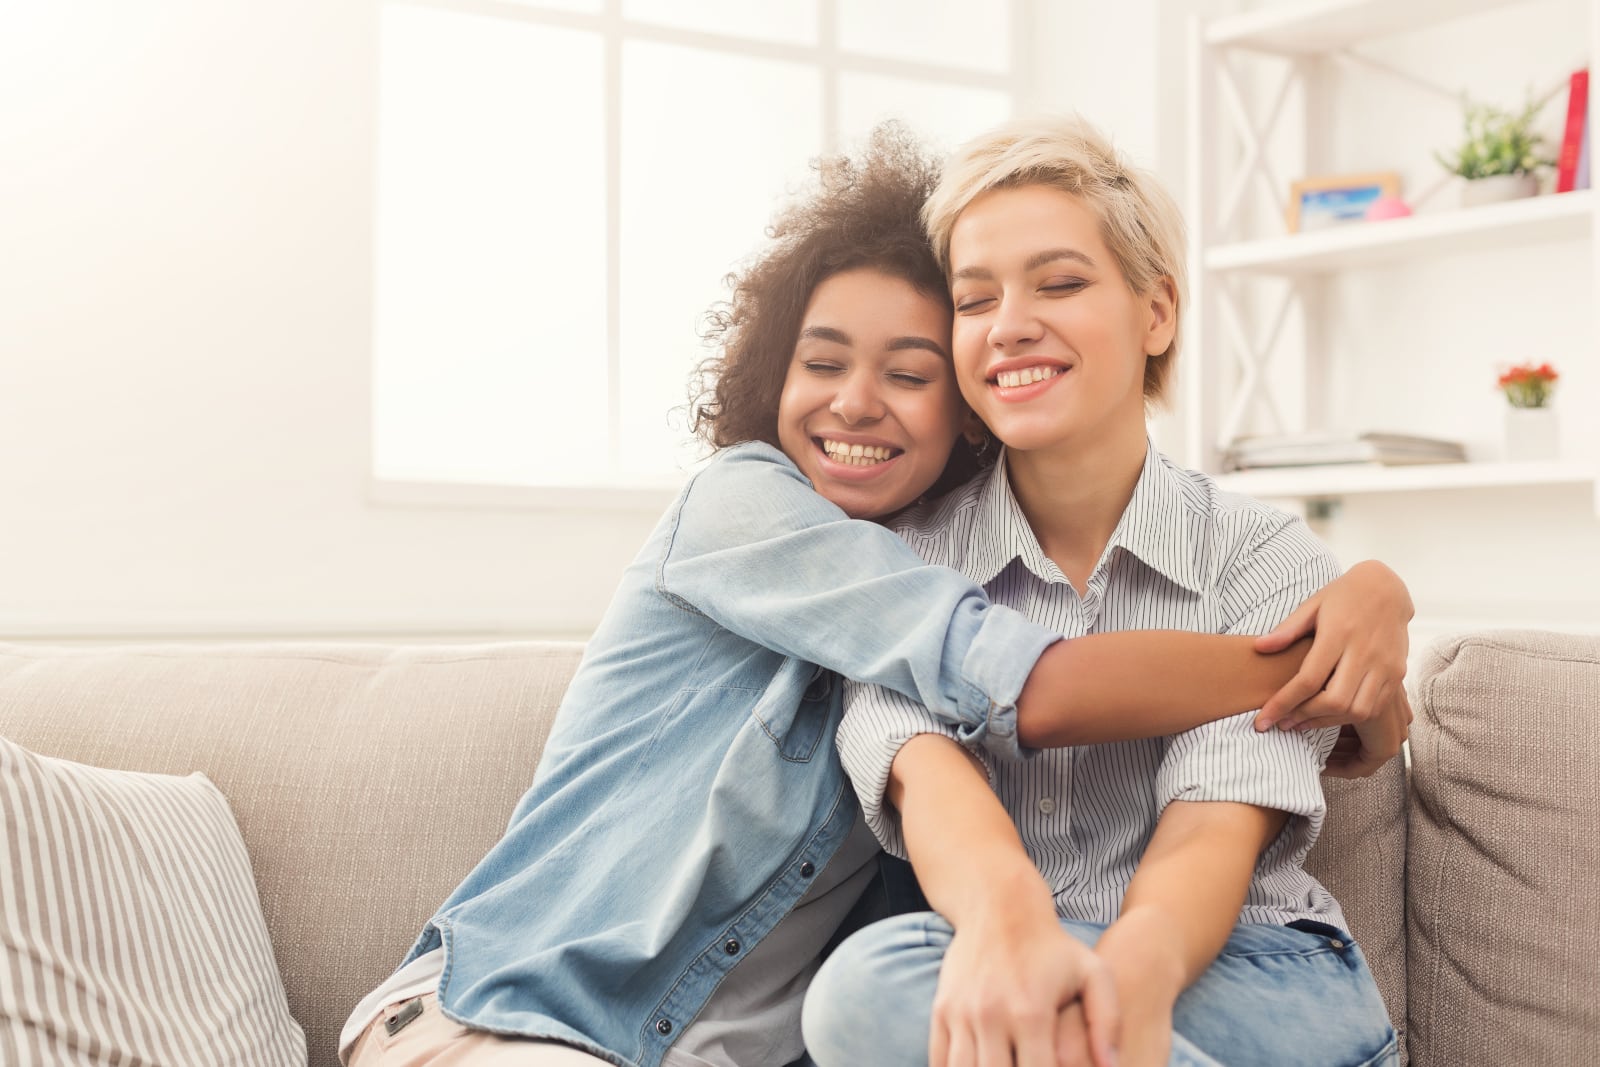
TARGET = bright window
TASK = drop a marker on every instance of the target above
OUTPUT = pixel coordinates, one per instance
(563, 186)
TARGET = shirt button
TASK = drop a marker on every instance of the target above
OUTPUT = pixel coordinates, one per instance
(663, 1027)
(731, 947)
(807, 870)
(1047, 806)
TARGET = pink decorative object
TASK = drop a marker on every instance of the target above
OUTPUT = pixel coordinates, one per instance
(1387, 207)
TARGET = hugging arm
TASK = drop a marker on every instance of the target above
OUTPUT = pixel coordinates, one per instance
(1338, 659)
(758, 551)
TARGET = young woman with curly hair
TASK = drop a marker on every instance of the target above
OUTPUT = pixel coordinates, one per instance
(689, 845)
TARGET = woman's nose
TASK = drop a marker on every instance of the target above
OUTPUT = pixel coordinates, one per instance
(857, 399)
(1014, 324)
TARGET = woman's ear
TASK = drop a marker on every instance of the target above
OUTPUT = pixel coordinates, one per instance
(1163, 323)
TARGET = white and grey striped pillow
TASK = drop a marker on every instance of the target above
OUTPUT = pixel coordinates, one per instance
(130, 929)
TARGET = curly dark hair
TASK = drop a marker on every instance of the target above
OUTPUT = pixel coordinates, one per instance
(864, 212)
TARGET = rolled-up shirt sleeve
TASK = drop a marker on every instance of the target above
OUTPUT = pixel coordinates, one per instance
(1228, 760)
(877, 724)
(754, 548)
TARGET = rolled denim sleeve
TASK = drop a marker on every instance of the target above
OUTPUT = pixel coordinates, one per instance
(1228, 760)
(755, 549)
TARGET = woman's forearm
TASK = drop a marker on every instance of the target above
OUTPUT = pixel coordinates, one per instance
(1146, 683)
(1010, 970)
(1185, 898)
(959, 837)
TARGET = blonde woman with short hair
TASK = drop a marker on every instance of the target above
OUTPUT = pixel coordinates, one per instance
(1159, 878)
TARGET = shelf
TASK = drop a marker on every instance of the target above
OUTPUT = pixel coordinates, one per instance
(1333, 24)
(1346, 479)
(1561, 216)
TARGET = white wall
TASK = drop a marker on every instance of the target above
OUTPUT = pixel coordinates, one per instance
(185, 213)
(185, 329)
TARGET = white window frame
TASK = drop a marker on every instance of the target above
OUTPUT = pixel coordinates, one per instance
(826, 56)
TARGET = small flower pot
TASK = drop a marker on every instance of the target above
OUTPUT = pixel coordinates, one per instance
(1532, 435)
(1499, 187)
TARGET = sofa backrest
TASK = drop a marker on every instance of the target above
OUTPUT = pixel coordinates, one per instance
(366, 780)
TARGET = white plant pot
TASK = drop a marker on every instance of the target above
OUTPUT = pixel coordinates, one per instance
(1500, 187)
(1532, 434)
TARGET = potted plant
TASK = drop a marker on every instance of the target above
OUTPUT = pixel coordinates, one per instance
(1531, 430)
(1499, 154)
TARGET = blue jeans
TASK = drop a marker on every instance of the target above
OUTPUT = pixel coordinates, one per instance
(1275, 995)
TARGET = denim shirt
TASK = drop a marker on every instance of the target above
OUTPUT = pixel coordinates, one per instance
(690, 788)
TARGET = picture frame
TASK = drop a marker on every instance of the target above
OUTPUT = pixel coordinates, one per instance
(1335, 199)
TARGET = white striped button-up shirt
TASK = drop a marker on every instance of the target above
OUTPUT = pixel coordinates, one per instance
(1185, 556)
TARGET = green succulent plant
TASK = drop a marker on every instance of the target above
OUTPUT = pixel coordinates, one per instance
(1497, 142)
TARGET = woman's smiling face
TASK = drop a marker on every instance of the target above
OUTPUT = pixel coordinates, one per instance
(870, 409)
(1049, 341)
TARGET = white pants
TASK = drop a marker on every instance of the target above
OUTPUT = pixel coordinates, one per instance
(431, 1040)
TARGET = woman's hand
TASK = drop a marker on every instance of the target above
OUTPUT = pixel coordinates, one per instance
(1354, 673)
(1354, 756)
(1017, 989)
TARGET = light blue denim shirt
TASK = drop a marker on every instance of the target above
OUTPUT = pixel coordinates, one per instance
(690, 788)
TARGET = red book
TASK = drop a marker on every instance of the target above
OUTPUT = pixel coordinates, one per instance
(1572, 140)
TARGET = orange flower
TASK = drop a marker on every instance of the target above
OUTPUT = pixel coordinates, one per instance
(1528, 386)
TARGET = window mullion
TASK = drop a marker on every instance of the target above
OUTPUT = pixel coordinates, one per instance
(1020, 76)
(613, 97)
(828, 60)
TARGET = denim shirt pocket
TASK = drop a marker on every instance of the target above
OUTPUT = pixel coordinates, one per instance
(798, 708)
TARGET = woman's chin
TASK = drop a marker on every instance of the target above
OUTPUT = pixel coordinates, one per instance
(864, 501)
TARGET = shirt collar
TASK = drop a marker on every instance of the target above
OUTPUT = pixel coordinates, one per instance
(1155, 527)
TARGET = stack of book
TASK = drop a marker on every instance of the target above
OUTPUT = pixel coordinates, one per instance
(1316, 449)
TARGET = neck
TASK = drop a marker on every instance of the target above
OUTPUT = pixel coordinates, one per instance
(1074, 495)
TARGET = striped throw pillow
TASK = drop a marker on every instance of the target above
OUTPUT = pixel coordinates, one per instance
(130, 929)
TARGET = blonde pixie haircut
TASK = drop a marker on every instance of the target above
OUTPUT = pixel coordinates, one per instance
(1139, 221)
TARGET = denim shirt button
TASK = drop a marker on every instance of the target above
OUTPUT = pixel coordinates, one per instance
(807, 869)
(663, 1027)
(731, 947)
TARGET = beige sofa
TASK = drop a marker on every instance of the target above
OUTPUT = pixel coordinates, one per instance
(367, 779)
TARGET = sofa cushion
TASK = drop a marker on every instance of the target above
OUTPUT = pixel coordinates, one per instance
(1502, 887)
(1361, 858)
(130, 924)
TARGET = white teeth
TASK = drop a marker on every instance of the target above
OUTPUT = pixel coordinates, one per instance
(1011, 379)
(852, 455)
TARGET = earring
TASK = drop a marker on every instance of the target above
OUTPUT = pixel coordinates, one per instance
(983, 450)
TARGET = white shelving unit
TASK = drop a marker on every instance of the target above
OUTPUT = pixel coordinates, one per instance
(1340, 479)
(1227, 379)
(1445, 233)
